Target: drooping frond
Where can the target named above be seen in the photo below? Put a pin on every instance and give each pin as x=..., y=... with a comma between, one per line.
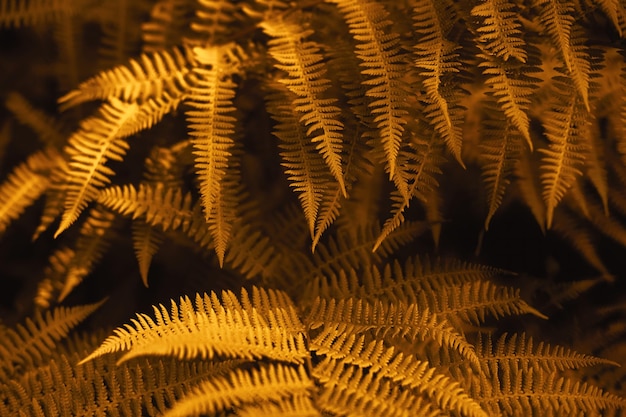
x=500, y=30
x=384, y=319
x=251, y=253
x=48, y=129
x=32, y=13
x=146, y=241
x=304, y=166
x=384, y=64
x=438, y=62
x=558, y=19
x=149, y=77
x=421, y=161
x=95, y=143
x=511, y=86
x=94, y=239
x=245, y=328
x=31, y=343
x=210, y=121
x=564, y=157
x=28, y=181
x=301, y=60
x=271, y=382
x=501, y=148
x=529, y=186
x=166, y=208
x=405, y=370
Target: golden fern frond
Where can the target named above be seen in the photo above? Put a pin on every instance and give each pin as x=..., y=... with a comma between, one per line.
x=566, y=153
x=270, y=382
x=595, y=163
x=297, y=405
x=152, y=112
x=421, y=161
x=405, y=370
x=54, y=197
x=614, y=11
x=304, y=166
x=146, y=242
x=511, y=86
x=354, y=391
x=251, y=253
x=557, y=17
x=245, y=329
x=438, y=62
x=48, y=130
x=145, y=387
x=25, y=184
x=384, y=319
x=149, y=77
x=500, y=29
x=157, y=205
x=384, y=65
x=33, y=13
x=528, y=186
x=97, y=141
x=214, y=22
x=301, y=60
x=30, y=344
x=212, y=127
x=166, y=25
x=520, y=349
x=500, y=150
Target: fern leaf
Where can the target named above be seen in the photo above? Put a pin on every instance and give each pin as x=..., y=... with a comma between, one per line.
x=407, y=371
x=298, y=405
x=157, y=205
x=301, y=60
x=149, y=77
x=146, y=241
x=501, y=148
x=32, y=342
x=90, y=148
x=214, y=22
x=383, y=63
x=94, y=239
x=252, y=254
x=438, y=62
x=500, y=30
x=529, y=187
x=166, y=25
x=28, y=181
x=16, y=14
x=565, y=154
x=48, y=130
x=268, y=383
x=305, y=168
x=253, y=330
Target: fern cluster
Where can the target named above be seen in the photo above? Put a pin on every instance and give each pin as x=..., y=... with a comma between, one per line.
x=333, y=159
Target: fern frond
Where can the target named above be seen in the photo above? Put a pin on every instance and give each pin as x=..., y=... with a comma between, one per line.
x=297, y=405
x=384, y=64
x=565, y=154
x=238, y=329
x=354, y=391
x=271, y=382
x=49, y=130
x=21, y=13
x=147, y=78
x=146, y=242
x=301, y=60
x=527, y=183
x=251, y=253
x=422, y=161
x=541, y=357
x=407, y=371
x=97, y=141
x=392, y=320
x=157, y=205
x=500, y=149
x=500, y=30
x=166, y=25
x=214, y=22
x=438, y=62
x=94, y=239
x=28, y=181
x=30, y=344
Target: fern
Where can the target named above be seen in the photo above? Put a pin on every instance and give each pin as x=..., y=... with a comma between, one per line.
x=500, y=31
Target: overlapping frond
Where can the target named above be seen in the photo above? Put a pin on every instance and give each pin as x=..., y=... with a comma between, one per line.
x=301, y=60
x=383, y=63
x=96, y=142
x=500, y=30
x=26, y=183
x=438, y=62
x=149, y=77
x=271, y=382
x=247, y=328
